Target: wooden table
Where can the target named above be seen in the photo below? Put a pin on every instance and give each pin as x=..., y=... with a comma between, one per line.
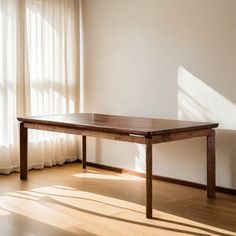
x=130, y=129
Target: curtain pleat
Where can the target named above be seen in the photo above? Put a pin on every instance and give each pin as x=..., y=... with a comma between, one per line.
x=39, y=75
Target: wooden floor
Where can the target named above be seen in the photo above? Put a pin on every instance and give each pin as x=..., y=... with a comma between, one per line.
x=65, y=200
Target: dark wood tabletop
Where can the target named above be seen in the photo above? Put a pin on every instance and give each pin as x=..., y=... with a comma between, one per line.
x=118, y=124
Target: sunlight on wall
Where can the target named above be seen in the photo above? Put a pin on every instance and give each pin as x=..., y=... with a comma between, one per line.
x=198, y=101
x=140, y=161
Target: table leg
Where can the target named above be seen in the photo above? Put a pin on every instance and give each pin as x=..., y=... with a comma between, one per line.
x=23, y=152
x=211, y=189
x=84, y=152
x=148, y=178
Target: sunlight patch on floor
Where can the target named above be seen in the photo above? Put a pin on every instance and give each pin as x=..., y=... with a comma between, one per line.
x=199, y=102
x=108, y=177
x=36, y=210
x=4, y=212
x=71, y=209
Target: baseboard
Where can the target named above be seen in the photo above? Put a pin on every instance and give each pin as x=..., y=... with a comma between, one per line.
x=161, y=178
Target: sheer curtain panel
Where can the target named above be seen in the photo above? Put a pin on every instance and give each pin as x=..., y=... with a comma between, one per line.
x=39, y=74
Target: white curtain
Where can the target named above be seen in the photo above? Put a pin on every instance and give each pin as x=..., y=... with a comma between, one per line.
x=39, y=74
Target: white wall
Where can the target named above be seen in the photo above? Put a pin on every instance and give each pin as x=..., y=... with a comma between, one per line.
x=171, y=59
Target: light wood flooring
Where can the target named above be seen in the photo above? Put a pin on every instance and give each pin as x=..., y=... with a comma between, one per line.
x=65, y=200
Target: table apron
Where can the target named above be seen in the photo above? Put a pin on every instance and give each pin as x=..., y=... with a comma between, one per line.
x=89, y=133
x=161, y=138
